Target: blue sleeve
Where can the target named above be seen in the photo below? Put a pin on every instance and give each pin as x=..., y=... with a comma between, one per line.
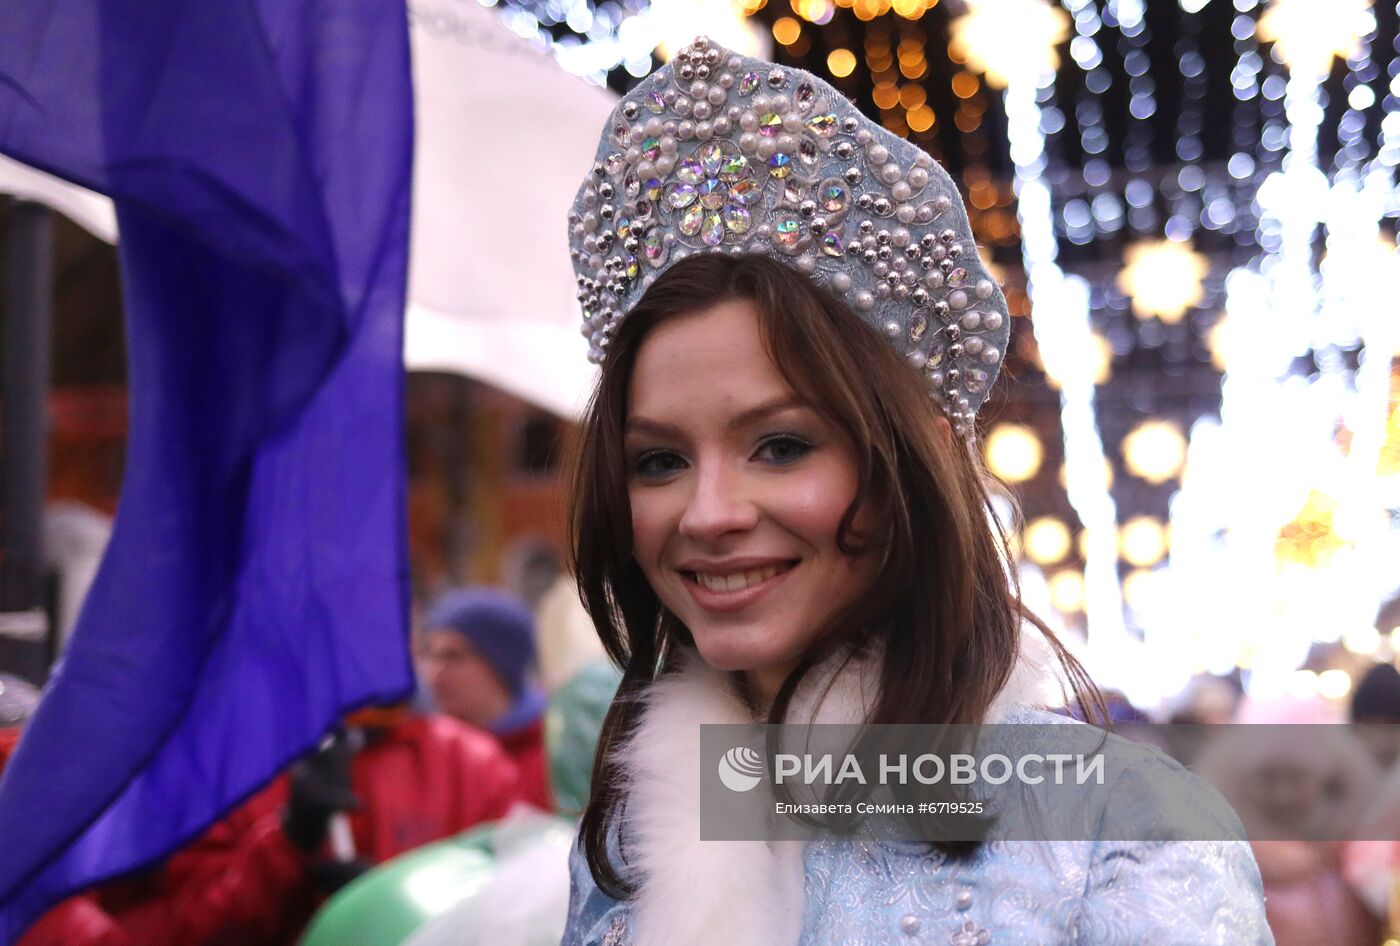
x=1173, y=892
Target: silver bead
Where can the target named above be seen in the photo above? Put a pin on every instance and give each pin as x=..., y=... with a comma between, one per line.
x=853, y=176
x=892, y=329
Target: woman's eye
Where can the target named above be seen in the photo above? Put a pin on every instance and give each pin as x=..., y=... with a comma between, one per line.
x=657, y=463
x=783, y=450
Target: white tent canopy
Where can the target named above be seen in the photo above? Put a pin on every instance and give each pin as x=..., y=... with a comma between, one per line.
x=504, y=136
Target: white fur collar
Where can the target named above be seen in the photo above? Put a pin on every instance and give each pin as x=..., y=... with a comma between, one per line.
x=742, y=893
x=693, y=892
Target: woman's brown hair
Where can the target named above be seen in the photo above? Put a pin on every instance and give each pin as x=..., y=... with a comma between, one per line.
x=944, y=604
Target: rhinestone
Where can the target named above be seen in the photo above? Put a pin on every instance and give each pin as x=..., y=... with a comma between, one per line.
x=614, y=163
x=787, y=232
x=834, y=197
x=690, y=171
x=777, y=78
x=748, y=83
x=632, y=268
x=769, y=124
x=935, y=359
x=711, y=158
x=831, y=244
x=918, y=325
x=822, y=125
x=712, y=230
x=712, y=194
x=691, y=220
x=680, y=195
x=735, y=167
x=805, y=97
x=957, y=277
x=807, y=151
x=745, y=192
x=654, y=102
x=780, y=166
x=651, y=188
x=736, y=219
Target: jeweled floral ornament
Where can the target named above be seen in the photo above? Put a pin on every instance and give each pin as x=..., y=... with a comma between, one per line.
x=717, y=152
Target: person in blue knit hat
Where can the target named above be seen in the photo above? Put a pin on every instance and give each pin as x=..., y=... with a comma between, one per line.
x=476, y=654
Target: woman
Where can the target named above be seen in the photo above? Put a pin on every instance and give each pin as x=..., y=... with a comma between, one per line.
x=773, y=520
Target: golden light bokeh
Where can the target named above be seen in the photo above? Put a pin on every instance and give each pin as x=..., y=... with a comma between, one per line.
x=1364, y=640
x=1009, y=40
x=841, y=62
x=1047, y=540
x=1334, y=684
x=1164, y=278
x=814, y=11
x=1155, y=450
x=1142, y=541
x=786, y=30
x=920, y=118
x=1308, y=33
x=1067, y=591
x=1013, y=452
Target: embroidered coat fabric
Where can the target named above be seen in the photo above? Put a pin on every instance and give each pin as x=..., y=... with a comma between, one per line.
x=865, y=891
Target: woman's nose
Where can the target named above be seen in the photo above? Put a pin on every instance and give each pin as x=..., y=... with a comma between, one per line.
x=719, y=504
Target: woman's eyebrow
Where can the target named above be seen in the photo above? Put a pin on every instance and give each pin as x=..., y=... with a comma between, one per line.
x=637, y=424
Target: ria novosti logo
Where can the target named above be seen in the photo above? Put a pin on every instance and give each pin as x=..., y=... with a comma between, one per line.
x=741, y=768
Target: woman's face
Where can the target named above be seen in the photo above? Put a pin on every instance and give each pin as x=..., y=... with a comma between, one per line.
x=737, y=491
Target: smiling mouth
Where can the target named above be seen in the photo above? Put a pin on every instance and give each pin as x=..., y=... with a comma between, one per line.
x=737, y=581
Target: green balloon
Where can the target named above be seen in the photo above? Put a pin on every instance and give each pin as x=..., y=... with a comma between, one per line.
x=386, y=904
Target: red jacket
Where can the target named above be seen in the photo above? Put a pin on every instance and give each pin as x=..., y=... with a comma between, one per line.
x=526, y=749
x=245, y=883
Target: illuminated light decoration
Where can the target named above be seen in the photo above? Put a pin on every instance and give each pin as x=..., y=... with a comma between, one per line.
x=786, y=30
x=1219, y=340
x=1023, y=60
x=1394, y=638
x=750, y=7
x=870, y=9
x=1143, y=541
x=1310, y=540
x=885, y=94
x=1164, y=278
x=1194, y=6
x=912, y=96
x=1106, y=476
x=1364, y=640
x=1096, y=363
x=1067, y=591
x=1047, y=541
x=1302, y=685
x=1003, y=55
x=1013, y=452
x=1308, y=33
x=920, y=118
x=841, y=63
x=1141, y=589
x=1155, y=451
x=1334, y=684
x=965, y=85
x=815, y=11
x=913, y=9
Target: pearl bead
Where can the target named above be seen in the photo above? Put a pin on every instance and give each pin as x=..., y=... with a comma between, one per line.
x=918, y=177
x=892, y=329
x=865, y=300
x=992, y=321
x=748, y=141
x=909, y=924
x=890, y=173
x=841, y=282
x=877, y=153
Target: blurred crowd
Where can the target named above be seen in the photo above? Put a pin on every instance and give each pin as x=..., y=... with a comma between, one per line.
x=469, y=791
x=467, y=752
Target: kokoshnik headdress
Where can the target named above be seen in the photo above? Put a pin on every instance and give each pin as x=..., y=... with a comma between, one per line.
x=721, y=152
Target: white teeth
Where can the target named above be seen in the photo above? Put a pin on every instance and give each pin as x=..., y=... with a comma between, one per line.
x=738, y=581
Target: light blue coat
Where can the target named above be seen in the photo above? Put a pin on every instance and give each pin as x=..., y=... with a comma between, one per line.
x=1012, y=893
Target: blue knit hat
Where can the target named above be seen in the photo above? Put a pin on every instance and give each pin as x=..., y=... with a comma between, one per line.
x=498, y=625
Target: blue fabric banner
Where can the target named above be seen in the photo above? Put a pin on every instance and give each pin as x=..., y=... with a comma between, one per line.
x=259, y=153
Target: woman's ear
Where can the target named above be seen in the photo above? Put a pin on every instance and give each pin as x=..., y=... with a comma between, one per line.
x=945, y=430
